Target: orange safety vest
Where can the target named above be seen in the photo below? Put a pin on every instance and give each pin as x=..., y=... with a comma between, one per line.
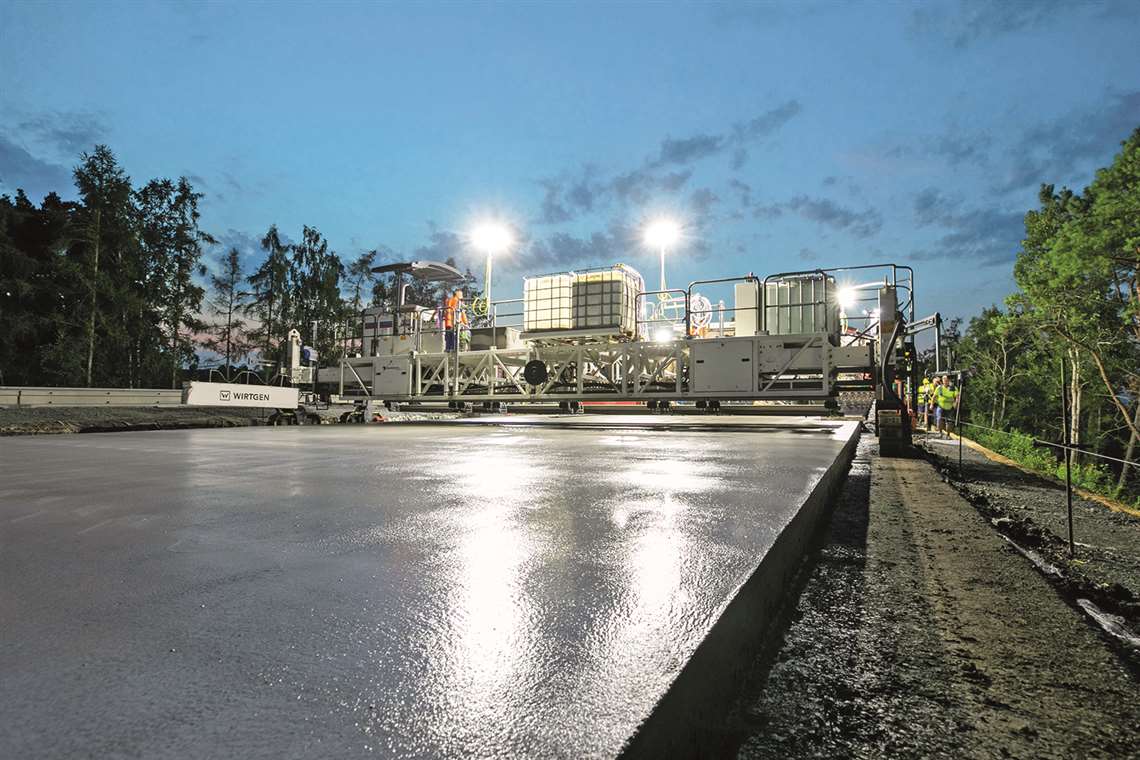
x=454, y=304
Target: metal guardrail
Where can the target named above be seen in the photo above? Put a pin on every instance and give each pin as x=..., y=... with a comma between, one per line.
x=33, y=396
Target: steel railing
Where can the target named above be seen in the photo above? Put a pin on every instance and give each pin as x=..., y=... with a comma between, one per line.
x=674, y=294
x=689, y=312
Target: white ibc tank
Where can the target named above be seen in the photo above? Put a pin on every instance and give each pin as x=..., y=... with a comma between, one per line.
x=801, y=305
x=599, y=302
x=547, y=302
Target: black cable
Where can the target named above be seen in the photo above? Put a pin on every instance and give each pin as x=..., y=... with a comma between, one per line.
x=884, y=360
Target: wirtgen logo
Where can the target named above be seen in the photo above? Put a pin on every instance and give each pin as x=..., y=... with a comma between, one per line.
x=223, y=395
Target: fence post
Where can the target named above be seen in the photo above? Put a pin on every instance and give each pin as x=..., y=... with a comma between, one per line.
x=1068, y=441
x=958, y=418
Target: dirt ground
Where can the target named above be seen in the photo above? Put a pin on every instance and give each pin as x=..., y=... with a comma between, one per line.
x=921, y=632
x=88, y=419
x=1032, y=511
x=102, y=419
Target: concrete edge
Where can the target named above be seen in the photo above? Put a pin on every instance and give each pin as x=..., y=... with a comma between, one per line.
x=686, y=720
x=656, y=422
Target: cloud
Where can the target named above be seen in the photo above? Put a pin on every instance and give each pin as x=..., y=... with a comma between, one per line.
x=640, y=185
x=930, y=206
x=825, y=211
x=767, y=123
x=702, y=201
x=572, y=194
x=966, y=22
x=862, y=224
x=233, y=183
x=553, y=210
x=687, y=150
x=69, y=134
x=443, y=244
x=558, y=251
x=762, y=126
x=739, y=159
x=563, y=250
x=1059, y=151
x=249, y=246
x=743, y=192
x=963, y=23
x=845, y=183
x=987, y=235
x=959, y=148
x=20, y=169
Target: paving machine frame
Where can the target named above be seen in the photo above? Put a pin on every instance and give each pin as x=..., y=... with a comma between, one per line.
x=677, y=352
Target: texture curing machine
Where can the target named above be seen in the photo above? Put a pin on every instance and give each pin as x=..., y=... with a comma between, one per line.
x=599, y=335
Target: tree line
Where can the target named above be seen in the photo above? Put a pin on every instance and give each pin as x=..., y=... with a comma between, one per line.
x=110, y=289
x=1077, y=303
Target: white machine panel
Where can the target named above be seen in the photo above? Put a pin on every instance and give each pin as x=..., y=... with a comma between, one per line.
x=235, y=394
x=722, y=366
x=393, y=376
x=788, y=353
x=858, y=357
x=746, y=314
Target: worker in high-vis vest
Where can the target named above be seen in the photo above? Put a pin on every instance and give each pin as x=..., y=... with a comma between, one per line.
x=922, y=409
x=931, y=406
x=453, y=319
x=946, y=398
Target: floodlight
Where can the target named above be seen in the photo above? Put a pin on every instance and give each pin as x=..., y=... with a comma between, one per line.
x=845, y=298
x=491, y=238
x=662, y=233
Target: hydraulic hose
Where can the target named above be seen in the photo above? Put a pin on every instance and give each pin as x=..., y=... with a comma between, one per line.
x=884, y=360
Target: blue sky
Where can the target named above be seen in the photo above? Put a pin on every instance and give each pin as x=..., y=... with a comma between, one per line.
x=786, y=136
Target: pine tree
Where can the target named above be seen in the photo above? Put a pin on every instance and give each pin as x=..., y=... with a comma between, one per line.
x=227, y=337
x=173, y=243
x=271, y=298
x=314, y=278
x=108, y=227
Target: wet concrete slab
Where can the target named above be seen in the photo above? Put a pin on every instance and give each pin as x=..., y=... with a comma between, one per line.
x=476, y=589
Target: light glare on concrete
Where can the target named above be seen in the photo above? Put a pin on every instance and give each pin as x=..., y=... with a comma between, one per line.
x=413, y=590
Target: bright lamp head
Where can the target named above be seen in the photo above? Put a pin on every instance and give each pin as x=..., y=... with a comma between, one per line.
x=845, y=298
x=662, y=233
x=491, y=238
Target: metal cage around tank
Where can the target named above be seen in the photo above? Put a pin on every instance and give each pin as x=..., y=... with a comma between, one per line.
x=597, y=304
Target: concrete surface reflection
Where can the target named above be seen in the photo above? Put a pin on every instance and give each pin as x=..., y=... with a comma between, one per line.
x=405, y=591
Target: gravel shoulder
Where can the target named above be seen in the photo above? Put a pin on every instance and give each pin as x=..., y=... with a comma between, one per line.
x=921, y=632
x=100, y=419
x=1032, y=510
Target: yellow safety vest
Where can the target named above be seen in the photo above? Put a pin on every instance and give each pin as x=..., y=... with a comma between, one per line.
x=924, y=392
x=945, y=397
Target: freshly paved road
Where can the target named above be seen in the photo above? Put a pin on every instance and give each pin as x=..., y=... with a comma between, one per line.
x=400, y=590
